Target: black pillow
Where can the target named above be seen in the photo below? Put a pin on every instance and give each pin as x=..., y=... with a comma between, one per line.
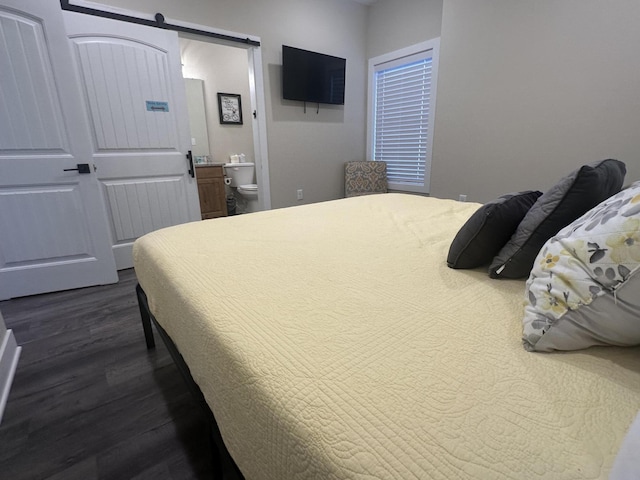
x=488, y=229
x=570, y=198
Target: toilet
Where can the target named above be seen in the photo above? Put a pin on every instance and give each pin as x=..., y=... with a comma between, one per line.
x=241, y=180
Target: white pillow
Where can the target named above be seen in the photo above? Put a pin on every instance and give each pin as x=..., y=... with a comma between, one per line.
x=584, y=288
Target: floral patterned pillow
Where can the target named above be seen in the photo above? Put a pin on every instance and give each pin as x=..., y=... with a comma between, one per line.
x=584, y=288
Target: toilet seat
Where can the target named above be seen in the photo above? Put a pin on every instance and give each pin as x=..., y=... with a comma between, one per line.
x=249, y=195
x=249, y=191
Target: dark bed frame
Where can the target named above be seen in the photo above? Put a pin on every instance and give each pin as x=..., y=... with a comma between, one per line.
x=223, y=466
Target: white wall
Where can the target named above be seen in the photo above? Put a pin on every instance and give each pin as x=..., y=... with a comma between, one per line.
x=197, y=117
x=223, y=69
x=395, y=24
x=528, y=91
x=305, y=150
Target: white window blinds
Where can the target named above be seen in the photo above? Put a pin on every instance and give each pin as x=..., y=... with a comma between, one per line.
x=402, y=113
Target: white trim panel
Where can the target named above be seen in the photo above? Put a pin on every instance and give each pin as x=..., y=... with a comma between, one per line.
x=9, y=355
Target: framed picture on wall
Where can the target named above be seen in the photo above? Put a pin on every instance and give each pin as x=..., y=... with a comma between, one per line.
x=230, y=108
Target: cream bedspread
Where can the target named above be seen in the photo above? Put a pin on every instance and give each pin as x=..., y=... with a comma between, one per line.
x=332, y=342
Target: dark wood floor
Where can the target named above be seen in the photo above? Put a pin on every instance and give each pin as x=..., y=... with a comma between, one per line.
x=88, y=400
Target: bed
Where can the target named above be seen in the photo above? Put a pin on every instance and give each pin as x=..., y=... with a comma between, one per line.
x=331, y=341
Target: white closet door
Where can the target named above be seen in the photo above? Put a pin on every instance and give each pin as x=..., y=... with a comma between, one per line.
x=53, y=223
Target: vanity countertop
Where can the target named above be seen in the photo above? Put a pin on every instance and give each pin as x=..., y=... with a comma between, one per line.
x=210, y=164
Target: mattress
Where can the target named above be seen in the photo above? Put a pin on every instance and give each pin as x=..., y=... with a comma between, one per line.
x=331, y=341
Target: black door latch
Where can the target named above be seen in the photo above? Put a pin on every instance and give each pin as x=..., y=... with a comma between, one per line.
x=191, y=170
x=82, y=168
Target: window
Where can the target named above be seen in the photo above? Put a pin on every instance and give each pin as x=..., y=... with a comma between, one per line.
x=402, y=93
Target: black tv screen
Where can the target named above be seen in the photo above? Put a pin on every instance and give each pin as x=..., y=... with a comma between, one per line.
x=312, y=77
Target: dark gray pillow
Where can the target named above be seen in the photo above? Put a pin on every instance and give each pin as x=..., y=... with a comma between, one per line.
x=488, y=229
x=569, y=199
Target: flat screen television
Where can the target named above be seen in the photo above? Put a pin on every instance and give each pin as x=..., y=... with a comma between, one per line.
x=312, y=77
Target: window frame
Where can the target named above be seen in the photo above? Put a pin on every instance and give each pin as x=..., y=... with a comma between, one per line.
x=430, y=46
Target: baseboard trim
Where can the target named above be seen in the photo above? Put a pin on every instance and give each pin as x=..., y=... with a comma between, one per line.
x=9, y=355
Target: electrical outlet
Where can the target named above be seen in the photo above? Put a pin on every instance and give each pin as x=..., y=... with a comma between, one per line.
x=193, y=141
x=300, y=196
x=462, y=198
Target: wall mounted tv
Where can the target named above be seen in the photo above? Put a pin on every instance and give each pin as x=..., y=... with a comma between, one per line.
x=312, y=77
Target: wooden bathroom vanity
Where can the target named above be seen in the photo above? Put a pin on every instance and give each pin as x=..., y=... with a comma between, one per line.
x=211, y=191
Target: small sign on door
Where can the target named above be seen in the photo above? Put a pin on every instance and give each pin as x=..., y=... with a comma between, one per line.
x=157, y=106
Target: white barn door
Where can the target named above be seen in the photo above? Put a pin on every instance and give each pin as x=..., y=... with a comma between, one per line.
x=53, y=224
x=135, y=96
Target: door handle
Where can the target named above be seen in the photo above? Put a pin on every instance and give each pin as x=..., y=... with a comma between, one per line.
x=81, y=168
x=190, y=158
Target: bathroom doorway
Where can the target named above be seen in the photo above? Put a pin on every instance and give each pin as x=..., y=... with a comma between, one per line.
x=211, y=68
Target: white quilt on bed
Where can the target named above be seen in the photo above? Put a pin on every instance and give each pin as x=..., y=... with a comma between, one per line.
x=332, y=342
